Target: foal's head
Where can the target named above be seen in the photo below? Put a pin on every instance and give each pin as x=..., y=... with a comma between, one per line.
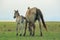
x=16, y=13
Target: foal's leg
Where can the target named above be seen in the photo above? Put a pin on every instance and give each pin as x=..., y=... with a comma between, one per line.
x=40, y=27
x=25, y=29
x=17, y=30
x=21, y=29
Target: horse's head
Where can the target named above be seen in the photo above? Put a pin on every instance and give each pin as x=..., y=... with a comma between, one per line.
x=16, y=13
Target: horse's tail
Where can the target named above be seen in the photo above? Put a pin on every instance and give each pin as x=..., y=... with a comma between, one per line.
x=41, y=16
x=26, y=19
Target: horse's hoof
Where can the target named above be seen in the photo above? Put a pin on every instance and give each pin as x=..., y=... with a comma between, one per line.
x=17, y=34
x=24, y=35
x=32, y=35
x=41, y=35
x=20, y=34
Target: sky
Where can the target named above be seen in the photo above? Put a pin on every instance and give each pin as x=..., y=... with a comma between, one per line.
x=50, y=8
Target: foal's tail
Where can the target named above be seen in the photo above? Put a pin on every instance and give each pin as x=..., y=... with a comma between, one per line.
x=41, y=16
x=25, y=19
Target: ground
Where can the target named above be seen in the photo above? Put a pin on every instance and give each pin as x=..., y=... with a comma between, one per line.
x=8, y=32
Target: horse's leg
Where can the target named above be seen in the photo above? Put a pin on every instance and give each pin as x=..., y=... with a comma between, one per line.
x=33, y=29
x=25, y=29
x=30, y=29
x=40, y=27
x=17, y=30
x=21, y=29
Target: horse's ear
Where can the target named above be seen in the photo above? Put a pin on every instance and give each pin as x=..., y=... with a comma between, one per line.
x=17, y=10
x=14, y=10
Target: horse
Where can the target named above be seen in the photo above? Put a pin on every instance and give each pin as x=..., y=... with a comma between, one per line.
x=20, y=21
x=33, y=14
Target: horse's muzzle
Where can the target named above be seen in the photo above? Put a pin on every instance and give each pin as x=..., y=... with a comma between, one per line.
x=14, y=16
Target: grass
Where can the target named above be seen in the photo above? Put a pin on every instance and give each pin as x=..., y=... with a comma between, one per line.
x=8, y=32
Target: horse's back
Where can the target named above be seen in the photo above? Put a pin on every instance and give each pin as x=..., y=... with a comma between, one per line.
x=33, y=10
x=31, y=13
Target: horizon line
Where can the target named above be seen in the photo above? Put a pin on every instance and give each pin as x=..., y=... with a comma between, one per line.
x=15, y=20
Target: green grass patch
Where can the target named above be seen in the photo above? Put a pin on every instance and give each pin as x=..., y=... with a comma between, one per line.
x=8, y=32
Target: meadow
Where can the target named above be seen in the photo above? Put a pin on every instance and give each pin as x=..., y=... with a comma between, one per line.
x=8, y=32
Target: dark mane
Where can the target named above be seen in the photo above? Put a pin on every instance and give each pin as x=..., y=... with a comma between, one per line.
x=18, y=14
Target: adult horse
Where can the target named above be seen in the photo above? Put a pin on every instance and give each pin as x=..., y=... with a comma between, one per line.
x=32, y=15
x=20, y=21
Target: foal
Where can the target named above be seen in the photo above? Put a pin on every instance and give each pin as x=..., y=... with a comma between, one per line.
x=20, y=21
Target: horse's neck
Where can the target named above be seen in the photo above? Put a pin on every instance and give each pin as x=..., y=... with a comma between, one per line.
x=17, y=18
